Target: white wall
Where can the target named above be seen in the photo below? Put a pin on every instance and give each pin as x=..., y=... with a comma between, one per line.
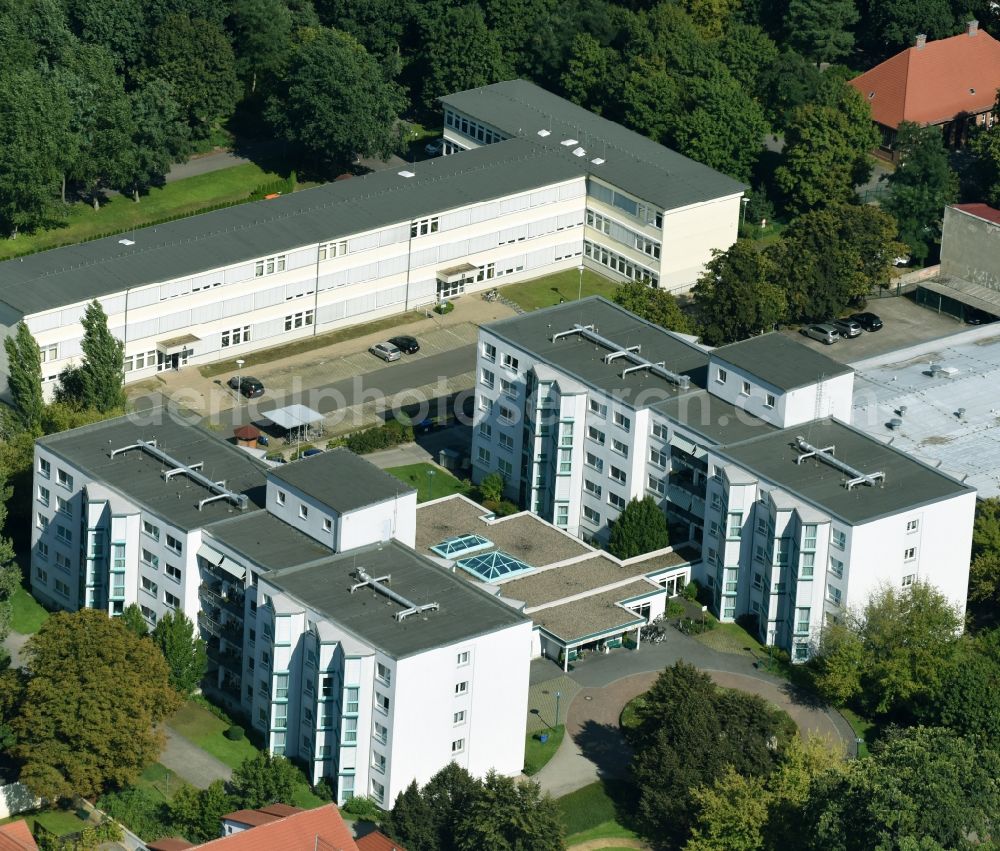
x=690, y=234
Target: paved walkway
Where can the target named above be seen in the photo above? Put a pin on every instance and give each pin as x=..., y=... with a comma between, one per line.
x=14, y=644
x=188, y=761
x=594, y=747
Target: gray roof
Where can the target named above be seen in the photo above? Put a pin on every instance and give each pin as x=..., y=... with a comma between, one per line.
x=633, y=162
x=267, y=541
x=584, y=360
x=594, y=615
x=464, y=611
x=715, y=419
x=189, y=246
x=908, y=483
x=340, y=479
x=138, y=476
x=780, y=361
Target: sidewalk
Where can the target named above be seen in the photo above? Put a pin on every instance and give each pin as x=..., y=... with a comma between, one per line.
x=188, y=761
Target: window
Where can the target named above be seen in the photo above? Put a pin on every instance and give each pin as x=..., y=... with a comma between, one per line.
x=509, y=362
x=43, y=550
x=909, y=579
x=150, y=529
x=487, y=378
x=657, y=486
x=801, y=652
x=617, y=500
x=352, y=696
x=329, y=250
x=781, y=552
x=808, y=564
x=378, y=762
x=802, y=620
x=658, y=458
x=44, y=468
x=303, y=511
x=484, y=455
x=592, y=488
x=618, y=474
x=175, y=544
x=422, y=227
x=591, y=460
x=381, y=701
x=326, y=684
x=734, y=524
x=909, y=554
x=833, y=594
x=507, y=414
x=661, y=431
x=63, y=562
x=280, y=683
x=721, y=375
x=768, y=400
x=171, y=600
x=622, y=421
x=235, y=336
x=327, y=524
x=463, y=658
x=148, y=585
x=458, y=746
x=505, y=468
x=597, y=408
x=595, y=434
x=299, y=320
x=562, y=514
x=64, y=534
x=269, y=265
x=486, y=431
x=462, y=687
x=758, y=581
x=745, y=388
x=837, y=568
x=809, y=536
x=41, y=521
x=507, y=442
x=490, y=352
x=838, y=538
x=43, y=495
x=65, y=479
x=380, y=733
x=378, y=791
x=458, y=717
x=591, y=515
x=42, y=575
x=148, y=614
x=152, y=560
x=619, y=447
x=912, y=525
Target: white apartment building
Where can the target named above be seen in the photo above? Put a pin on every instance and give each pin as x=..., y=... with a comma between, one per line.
x=348, y=651
x=224, y=283
x=584, y=406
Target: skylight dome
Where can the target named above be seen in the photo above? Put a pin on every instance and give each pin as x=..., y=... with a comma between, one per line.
x=494, y=566
x=461, y=545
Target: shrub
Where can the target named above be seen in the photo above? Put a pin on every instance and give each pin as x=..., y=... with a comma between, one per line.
x=205, y=703
x=139, y=809
x=491, y=488
x=375, y=438
x=235, y=733
x=444, y=307
x=675, y=608
x=324, y=789
x=363, y=809
x=691, y=591
x=505, y=508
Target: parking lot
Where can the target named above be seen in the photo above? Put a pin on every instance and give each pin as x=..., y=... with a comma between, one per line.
x=906, y=324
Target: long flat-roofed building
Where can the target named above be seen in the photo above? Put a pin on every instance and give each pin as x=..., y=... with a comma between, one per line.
x=235, y=280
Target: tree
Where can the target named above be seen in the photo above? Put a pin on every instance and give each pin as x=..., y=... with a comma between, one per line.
x=747, y=52
x=786, y=83
x=923, y=788
x=736, y=297
x=509, y=815
x=10, y=572
x=195, y=57
x=120, y=26
x=432, y=823
x=920, y=187
x=263, y=779
x=491, y=487
x=821, y=29
x=410, y=822
x=336, y=104
x=652, y=304
x=134, y=621
x=892, y=24
x=262, y=40
x=968, y=701
x=24, y=377
x=160, y=137
x=102, y=374
x=94, y=695
x=640, y=528
x=197, y=813
x=380, y=25
x=731, y=814
x=184, y=651
x=826, y=152
x=460, y=52
x=985, y=145
x=592, y=71
x=532, y=34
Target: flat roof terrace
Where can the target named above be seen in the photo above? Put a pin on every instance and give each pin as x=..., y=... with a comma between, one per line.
x=594, y=615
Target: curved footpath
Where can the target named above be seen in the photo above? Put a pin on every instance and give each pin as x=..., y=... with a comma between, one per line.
x=594, y=747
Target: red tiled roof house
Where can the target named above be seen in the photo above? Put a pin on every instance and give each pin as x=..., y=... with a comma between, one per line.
x=951, y=82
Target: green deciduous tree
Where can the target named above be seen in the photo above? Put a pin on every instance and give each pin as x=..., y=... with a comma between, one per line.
x=120, y=26
x=10, y=572
x=102, y=373
x=737, y=296
x=197, y=813
x=508, y=815
x=160, y=137
x=747, y=52
x=787, y=82
x=532, y=34
x=640, y=528
x=336, y=103
x=24, y=376
x=893, y=24
x=920, y=187
x=94, y=694
x=985, y=146
x=821, y=29
x=184, y=651
x=968, y=701
x=262, y=41
x=652, y=304
x=592, y=70
x=133, y=620
x=263, y=779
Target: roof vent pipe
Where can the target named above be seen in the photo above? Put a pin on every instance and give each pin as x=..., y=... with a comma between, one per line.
x=921, y=41
x=972, y=27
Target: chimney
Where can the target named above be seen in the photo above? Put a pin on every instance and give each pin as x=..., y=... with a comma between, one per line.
x=921, y=41
x=972, y=27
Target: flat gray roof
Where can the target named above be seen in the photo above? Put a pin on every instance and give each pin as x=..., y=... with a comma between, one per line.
x=594, y=615
x=49, y=279
x=633, y=162
x=340, y=479
x=267, y=541
x=908, y=483
x=139, y=476
x=464, y=610
x=780, y=361
x=584, y=360
x=715, y=419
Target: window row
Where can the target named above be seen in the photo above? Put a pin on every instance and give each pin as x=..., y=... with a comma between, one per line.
x=623, y=234
x=621, y=265
x=269, y=266
x=472, y=128
x=141, y=360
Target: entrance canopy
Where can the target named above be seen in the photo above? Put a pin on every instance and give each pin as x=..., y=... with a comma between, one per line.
x=454, y=274
x=176, y=345
x=294, y=416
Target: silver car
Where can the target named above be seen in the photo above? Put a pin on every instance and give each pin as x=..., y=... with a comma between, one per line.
x=823, y=332
x=847, y=327
x=387, y=351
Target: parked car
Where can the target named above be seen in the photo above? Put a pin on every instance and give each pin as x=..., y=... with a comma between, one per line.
x=823, y=332
x=247, y=385
x=310, y=452
x=434, y=148
x=387, y=351
x=846, y=327
x=868, y=321
x=406, y=344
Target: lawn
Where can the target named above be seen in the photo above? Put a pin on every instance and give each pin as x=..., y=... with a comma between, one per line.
x=307, y=344
x=59, y=822
x=119, y=214
x=596, y=812
x=26, y=615
x=443, y=484
x=161, y=781
x=537, y=754
x=544, y=292
x=864, y=729
x=732, y=638
x=202, y=728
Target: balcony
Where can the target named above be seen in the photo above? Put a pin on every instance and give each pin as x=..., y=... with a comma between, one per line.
x=215, y=623
x=231, y=685
x=217, y=595
x=227, y=658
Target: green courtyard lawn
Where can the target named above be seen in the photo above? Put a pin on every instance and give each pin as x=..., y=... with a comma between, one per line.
x=202, y=728
x=864, y=729
x=26, y=615
x=119, y=214
x=160, y=781
x=538, y=753
x=60, y=822
x=544, y=292
x=442, y=483
x=597, y=811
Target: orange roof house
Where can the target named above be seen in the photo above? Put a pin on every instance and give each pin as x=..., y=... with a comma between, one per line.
x=944, y=82
x=17, y=837
x=307, y=830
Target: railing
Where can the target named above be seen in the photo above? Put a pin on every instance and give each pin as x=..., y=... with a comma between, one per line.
x=232, y=602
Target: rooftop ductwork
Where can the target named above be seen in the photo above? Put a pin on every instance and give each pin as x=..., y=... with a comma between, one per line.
x=379, y=586
x=827, y=457
x=631, y=353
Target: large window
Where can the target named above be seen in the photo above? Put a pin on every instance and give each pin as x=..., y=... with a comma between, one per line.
x=299, y=320
x=236, y=336
x=734, y=524
x=269, y=265
x=802, y=620
x=622, y=265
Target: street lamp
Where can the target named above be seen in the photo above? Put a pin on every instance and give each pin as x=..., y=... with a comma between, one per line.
x=430, y=484
x=579, y=291
x=745, y=202
x=558, y=695
x=239, y=386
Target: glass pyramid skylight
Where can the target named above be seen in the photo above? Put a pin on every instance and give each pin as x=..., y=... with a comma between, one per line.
x=494, y=566
x=461, y=545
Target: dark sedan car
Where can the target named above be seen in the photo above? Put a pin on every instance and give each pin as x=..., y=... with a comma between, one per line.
x=868, y=321
x=407, y=345
x=248, y=386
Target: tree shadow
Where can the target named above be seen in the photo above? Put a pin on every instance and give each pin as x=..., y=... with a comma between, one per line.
x=605, y=746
